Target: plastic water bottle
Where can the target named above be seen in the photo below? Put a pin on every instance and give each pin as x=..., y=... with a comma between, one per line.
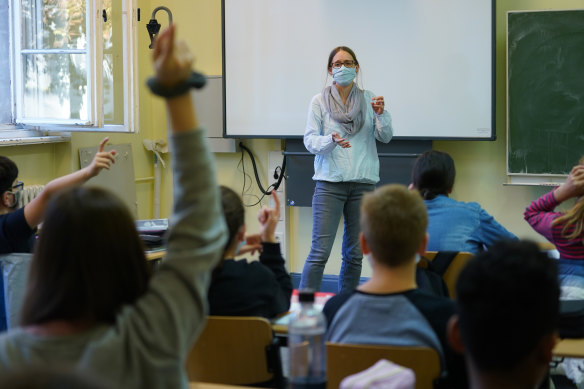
x=306, y=345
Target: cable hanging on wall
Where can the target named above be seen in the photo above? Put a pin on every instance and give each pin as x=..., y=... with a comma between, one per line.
x=279, y=174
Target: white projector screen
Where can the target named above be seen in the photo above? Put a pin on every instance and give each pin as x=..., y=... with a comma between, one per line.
x=432, y=60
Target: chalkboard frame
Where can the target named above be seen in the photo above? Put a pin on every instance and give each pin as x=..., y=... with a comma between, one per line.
x=491, y=137
x=531, y=171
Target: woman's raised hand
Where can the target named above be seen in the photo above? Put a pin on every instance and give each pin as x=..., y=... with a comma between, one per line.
x=172, y=61
x=574, y=185
x=378, y=104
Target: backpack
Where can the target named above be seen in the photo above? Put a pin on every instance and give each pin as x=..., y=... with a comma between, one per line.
x=429, y=273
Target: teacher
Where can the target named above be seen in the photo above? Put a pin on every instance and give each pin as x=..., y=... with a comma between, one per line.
x=343, y=123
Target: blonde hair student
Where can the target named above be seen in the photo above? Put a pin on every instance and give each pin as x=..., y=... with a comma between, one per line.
x=564, y=229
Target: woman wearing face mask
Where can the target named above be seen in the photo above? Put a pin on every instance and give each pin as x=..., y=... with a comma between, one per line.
x=343, y=123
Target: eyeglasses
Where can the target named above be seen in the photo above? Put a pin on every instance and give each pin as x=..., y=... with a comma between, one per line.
x=347, y=64
x=17, y=188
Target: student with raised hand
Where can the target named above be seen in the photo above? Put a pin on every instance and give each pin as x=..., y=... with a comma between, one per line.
x=508, y=301
x=17, y=225
x=564, y=229
x=452, y=225
x=89, y=303
x=389, y=309
x=256, y=288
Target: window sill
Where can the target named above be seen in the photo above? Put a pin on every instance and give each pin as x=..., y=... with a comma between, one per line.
x=28, y=137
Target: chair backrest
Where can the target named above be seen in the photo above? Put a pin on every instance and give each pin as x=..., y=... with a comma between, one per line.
x=451, y=274
x=235, y=350
x=346, y=359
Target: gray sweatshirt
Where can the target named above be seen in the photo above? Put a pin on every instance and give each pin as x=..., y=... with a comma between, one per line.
x=148, y=345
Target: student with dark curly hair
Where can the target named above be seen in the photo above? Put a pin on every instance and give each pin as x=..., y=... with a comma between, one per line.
x=508, y=301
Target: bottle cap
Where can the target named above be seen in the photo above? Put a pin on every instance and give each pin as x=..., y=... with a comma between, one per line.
x=306, y=295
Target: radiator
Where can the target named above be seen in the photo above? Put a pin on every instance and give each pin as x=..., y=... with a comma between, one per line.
x=29, y=193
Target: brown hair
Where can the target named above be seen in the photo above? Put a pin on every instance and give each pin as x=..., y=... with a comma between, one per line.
x=336, y=50
x=8, y=174
x=433, y=174
x=574, y=217
x=233, y=213
x=89, y=260
x=393, y=221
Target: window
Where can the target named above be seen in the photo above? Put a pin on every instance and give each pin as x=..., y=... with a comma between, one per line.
x=73, y=65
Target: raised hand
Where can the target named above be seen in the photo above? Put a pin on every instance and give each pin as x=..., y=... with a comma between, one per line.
x=102, y=160
x=342, y=142
x=574, y=185
x=268, y=218
x=172, y=61
x=378, y=104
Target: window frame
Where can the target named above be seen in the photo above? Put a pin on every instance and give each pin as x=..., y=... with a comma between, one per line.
x=94, y=55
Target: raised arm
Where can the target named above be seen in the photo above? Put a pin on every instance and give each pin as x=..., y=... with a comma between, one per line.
x=540, y=213
x=271, y=257
x=35, y=210
x=172, y=64
x=573, y=187
x=169, y=317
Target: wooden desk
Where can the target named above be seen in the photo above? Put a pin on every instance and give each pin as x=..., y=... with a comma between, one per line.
x=572, y=348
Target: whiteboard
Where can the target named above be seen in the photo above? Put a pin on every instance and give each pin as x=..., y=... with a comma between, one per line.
x=432, y=60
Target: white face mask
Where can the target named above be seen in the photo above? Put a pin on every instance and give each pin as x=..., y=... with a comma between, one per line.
x=344, y=76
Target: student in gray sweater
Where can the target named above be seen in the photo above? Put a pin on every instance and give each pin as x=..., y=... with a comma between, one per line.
x=89, y=304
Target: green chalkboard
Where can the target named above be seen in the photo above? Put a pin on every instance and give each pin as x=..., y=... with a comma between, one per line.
x=545, y=85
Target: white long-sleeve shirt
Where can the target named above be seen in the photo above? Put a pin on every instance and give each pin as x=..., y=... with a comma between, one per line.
x=360, y=162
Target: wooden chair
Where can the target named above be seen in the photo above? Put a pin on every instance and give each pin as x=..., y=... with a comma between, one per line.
x=346, y=359
x=451, y=274
x=237, y=351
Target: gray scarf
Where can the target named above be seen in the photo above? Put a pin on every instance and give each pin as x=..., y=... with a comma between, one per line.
x=350, y=116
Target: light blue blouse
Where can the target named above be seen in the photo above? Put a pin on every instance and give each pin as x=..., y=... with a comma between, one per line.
x=459, y=226
x=360, y=162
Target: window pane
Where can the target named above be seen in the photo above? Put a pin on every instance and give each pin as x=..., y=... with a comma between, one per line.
x=5, y=98
x=53, y=24
x=113, y=64
x=55, y=86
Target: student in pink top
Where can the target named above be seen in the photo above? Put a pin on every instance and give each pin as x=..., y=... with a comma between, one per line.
x=564, y=229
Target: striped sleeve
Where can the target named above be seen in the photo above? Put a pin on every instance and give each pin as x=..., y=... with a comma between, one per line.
x=539, y=214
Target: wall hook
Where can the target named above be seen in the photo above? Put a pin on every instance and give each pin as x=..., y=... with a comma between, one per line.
x=153, y=26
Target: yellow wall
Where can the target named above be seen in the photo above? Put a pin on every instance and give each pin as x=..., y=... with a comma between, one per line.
x=480, y=165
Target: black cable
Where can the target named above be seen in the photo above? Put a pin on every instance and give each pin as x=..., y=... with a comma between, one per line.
x=257, y=177
x=244, y=189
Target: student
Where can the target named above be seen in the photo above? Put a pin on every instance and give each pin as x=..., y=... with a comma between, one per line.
x=452, y=225
x=258, y=288
x=389, y=309
x=564, y=229
x=508, y=300
x=17, y=226
x=89, y=303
